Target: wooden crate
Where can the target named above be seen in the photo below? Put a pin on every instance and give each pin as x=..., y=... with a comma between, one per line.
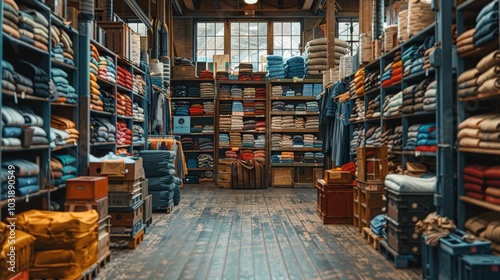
x=282, y=177
x=371, y=238
x=118, y=38
x=100, y=205
x=370, y=201
x=355, y=208
x=184, y=72
x=335, y=202
x=224, y=179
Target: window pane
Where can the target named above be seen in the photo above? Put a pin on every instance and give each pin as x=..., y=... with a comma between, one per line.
x=295, y=27
x=286, y=28
x=243, y=43
x=262, y=28
x=254, y=56
x=235, y=29
x=262, y=43
x=211, y=43
x=201, y=43
x=244, y=29
x=253, y=28
x=253, y=44
x=277, y=28
x=201, y=29
x=220, y=43
x=278, y=43
x=295, y=42
x=210, y=29
x=219, y=29
x=244, y=56
x=235, y=42
x=207, y=43
x=210, y=55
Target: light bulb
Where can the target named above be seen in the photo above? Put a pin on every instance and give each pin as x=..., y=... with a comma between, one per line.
x=250, y=1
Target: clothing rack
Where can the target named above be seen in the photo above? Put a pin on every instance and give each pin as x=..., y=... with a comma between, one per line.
x=163, y=142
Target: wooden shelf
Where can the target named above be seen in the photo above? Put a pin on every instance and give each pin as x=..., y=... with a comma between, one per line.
x=392, y=118
x=475, y=98
x=102, y=144
x=191, y=98
x=393, y=87
x=198, y=151
x=235, y=82
x=241, y=148
x=201, y=116
x=353, y=121
x=297, y=164
x=294, y=98
x=418, y=76
x=296, y=81
x=28, y=48
x=137, y=70
x=121, y=89
x=413, y=153
x=201, y=169
x=241, y=99
x=101, y=113
x=62, y=65
x=372, y=120
x=479, y=151
x=419, y=114
x=296, y=149
x=241, y=131
x=62, y=147
x=63, y=104
x=296, y=130
x=123, y=146
x=138, y=145
x=24, y=97
x=124, y=117
x=136, y=95
x=21, y=149
x=372, y=91
x=101, y=81
x=202, y=133
x=293, y=113
x=25, y=198
x=480, y=203
x=193, y=79
x=102, y=48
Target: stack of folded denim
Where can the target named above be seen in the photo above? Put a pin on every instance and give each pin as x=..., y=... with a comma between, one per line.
x=298, y=141
x=236, y=92
x=294, y=67
x=182, y=108
x=277, y=91
x=482, y=80
x=208, y=107
x=420, y=15
x=374, y=140
x=249, y=107
x=205, y=161
x=260, y=141
x=275, y=67
x=101, y=130
x=223, y=140
x=62, y=46
x=409, y=56
x=394, y=106
x=107, y=69
x=377, y=225
x=71, y=134
x=123, y=134
x=196, y=109
x=235, y=139
x=430, y=97
x=224, y=91
x=373, y=108
x=248, y=140
x=372, y=81
x=68, y=171
x=312, y=106
x=207, y=90
x=193, y=92
x=188, y=143
x=480, y=131
x=357, y=139
x=205, y=144
x=159, y=168
x=138, y=135
x=358, y=110
x=260, y=126
x=10, y=19
x=124, y=105
x=139, y=85
x=26, y=175
x=138, y=113
x=427, y=138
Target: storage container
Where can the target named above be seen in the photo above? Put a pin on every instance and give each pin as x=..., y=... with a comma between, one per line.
x=479, y=267
x=403, y=239
x=335, y=202
x=125, y=199
x=100, y=205
x=409, y=208
x=86, y=188
x=127, y=217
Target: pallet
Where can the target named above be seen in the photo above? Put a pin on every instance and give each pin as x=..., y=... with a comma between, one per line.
x=88, y=274
x=399, y=261
x=128, y=243
x=103, y=261
x=371, y=238
x=166, y=210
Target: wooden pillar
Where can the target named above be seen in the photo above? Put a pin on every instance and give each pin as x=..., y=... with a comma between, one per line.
x=330, y=32
x=365, y=15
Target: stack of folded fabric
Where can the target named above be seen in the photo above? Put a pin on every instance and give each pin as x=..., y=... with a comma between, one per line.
x=236, y=92
x=419, y=95
x=123, y=105
x=235, y=139
x=237, y=108
x=474, y=180
x=231, y=154
x=312, y=106
x=249, y=124
x=247, y=155
x=275, y=140
x=430, y=97
x=101, y=130
x=205, y=161
x=248, y=140
x=259, y=155
x=124, y=77
x=108, y=100
x=260, y=126
x=206, y=74
x=225, y=122
x=68, y=171
x=192, y=163
x=27, y=25
x=403, y=26
x=10, y=19
x=298, y=141
x=208, y=107
x=317, y=58
x=309, y=140
x=294, y=67
x=287, y=157
x=394, y=105
x=260, y=108
x=157, y=80
x=484, y=33
x=260, y=141
x=139, y=85
x=397, y=66
x=65, y=92
x=26, y=175
x=480, y=131
x=358, y=138
x=249, y=107
x=138, y=135
x=427, y=138
x=224, y=91
x=359, y=82
x=205, y=144
x=427, y=58
x=15, y=116
x=420, y=15
x=260, y=93
x=358, y=110
x=319, y=157
x=245, y=73
x=396, y=140
x=193, y=92
x=222, y=76
x=373, y=107
x=286, y=141
x=317, y=144
x=187, y=143
x=107, y=69
x=301, y=107
x=308, y=157
x=96, y=100
x=182, y=108
x=410, y=55
x=14, y=81
x=409, y=99
x=374, y=139
x=483, y=80
x=223, y=140
x=300, y=123
x=418, y=170
x=196, y=109
x=276, y=122
x=278, y=106
x=197, y=128
x=225, y=108
x=372, y=81
x=65, y=125
x=312, y=122
x=277, y=91
x=237, y=122
x=123, y=134
x=390, y=32
x=287, y=122
x=62, y=46
x=249, y=93
x=208, y=129
x=492, y=177
x=486, y=226
x=259, y=76
x=207, y=90
x=412, y=140
x=387, y=76
x=275, y=67
x=179, y=91
x=138, y=113
x=366, y=45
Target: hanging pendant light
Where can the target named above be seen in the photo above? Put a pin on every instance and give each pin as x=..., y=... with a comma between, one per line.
x=250, y=1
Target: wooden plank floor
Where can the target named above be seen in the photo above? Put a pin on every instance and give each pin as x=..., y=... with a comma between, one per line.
x=249, y=234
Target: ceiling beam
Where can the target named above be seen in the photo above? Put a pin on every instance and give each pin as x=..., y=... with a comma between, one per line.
x=225, y=14
x=307, y=4
x=189, y=4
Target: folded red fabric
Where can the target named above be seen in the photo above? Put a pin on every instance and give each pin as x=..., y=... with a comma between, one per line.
x=473, y=187
x=492, y=183
x=475, y=195
x=476, y=170
x=492, y=199
x=493, y=172
x=474, y=180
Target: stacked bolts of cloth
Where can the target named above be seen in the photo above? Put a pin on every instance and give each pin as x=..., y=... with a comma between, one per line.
x=124, y=77
x=245, y=73
x=276, y=122
x=260, y=107
x=482, y=80
x=275, y=67
x=236, y=122
x=294, y=67
x=123, y=105
x=34, y=28
x=123, y=134
x=420, y=15
x=480, y=131
x=317, y=58
x=260, y=141
x=139, y=85
x=138, y=135
x=403, y=26
x=207, y=90
x=394, y=105
x=138, y=113
x=159, y=168
x=312, y=106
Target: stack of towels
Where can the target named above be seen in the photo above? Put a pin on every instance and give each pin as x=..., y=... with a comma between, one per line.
x=483, y=80
x=123, y=134
x=63, y=167
x=124, y=78
x=420, y=15
x=480, y=131
x=275, y=67
x=138, y=113
x=208, y=107
x=394, y=105
x=236, y=92
x=277, y=91
x=294, y=67
x=245, y=73
x=207, y=90
x=427, y=138
x=484, y=33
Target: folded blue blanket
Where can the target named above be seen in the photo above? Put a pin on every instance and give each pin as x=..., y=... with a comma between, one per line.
x=404, y=183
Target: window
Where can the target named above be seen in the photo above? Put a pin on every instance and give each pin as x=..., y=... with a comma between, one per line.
x=210, y=40
x=286, y=39
x=348, y=30
x=139, y=28
x=248, y=43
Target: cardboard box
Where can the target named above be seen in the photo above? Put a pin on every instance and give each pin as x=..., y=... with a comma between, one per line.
x=124, y=186
x=148, y=209
x=282, y=177
x=126, y=217
x=87, y=188
x=144, y=188
x=392, y=12
x=115, y=170
x=337, y=177
x=184, y=71
x=100, y=205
